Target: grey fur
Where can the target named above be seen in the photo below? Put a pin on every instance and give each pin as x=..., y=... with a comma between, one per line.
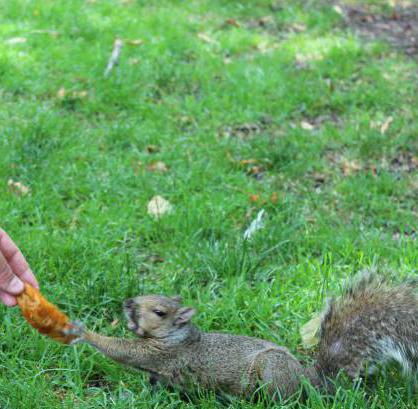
x=370, y=324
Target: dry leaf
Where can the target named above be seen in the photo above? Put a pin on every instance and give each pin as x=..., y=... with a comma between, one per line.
x=114, y=323
x=135, y=42
x=242, y=131
x=256, y=171
x=153, y=148
x=232, y=22
x=16, y=40
x=254, y=198
x=79, y=94
x=307, y=126
x=350, y=166
x=385, y=125
x=158, y=206
x=298, y=27
x=17, y=188
x=274, y=198
x=52, y=33
x=158, y=166
x=204, y=37
x=248, y=161
x=309, y=332
x=265, y=21
x=133, y=61
x=263, y=47
x=61, y=93
x=136, y=166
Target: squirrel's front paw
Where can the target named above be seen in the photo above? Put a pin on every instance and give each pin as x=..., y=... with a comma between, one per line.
x=76, y=328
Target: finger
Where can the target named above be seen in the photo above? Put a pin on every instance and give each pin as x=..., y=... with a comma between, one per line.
x=9, y=282
x=7, y=299
x=16, y=260
x=28, y=277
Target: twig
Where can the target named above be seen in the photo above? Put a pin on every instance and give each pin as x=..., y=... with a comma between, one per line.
x=256, y=224
x=114, y=58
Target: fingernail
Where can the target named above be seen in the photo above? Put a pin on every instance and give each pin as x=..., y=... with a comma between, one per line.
x=16, y=286
x=29, y=277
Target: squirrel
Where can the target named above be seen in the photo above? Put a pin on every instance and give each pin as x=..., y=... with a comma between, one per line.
x=369, y=325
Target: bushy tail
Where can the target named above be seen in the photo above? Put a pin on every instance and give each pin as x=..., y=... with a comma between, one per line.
x=369, y=325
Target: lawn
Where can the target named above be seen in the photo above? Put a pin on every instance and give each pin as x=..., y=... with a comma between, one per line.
x=223, y=108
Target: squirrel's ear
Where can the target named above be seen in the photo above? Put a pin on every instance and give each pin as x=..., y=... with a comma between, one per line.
x=184, y=315
x=177, y=298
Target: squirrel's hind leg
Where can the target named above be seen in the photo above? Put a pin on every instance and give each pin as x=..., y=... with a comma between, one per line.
x=280, y=372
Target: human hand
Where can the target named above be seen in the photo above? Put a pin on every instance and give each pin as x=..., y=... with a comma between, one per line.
x=14, y=270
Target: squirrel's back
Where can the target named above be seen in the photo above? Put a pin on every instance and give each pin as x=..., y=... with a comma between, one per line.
x=370, y=324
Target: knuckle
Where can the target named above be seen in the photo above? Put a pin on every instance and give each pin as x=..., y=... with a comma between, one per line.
x=6, y=274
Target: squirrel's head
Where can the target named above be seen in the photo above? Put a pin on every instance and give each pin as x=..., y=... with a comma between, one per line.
x=157, y=316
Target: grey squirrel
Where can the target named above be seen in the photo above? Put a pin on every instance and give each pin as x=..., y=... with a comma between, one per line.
x=369, y=325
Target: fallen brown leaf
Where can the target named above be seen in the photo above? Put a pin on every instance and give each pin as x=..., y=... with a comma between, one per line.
x=256, y=171
x=274, y=198
x=17, y=188
x=350, y=166
x=158, y=166
x=152, y=148
x=232, y=22
x=61, y=93
x=385, y=125
x=265, y=21
x=319, y=178
x=248, y=161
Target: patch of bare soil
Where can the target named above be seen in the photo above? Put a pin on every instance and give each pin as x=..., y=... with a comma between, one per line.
x=398, y=27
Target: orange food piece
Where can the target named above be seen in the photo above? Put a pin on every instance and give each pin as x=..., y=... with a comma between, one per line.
x=43, y=315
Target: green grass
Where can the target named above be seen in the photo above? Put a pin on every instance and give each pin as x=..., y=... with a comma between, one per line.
x=85, y=229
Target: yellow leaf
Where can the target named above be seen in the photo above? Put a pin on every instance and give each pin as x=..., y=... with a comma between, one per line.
x=310, y=331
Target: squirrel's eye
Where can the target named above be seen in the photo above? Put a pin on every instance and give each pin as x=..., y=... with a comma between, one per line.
x=159, y=313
